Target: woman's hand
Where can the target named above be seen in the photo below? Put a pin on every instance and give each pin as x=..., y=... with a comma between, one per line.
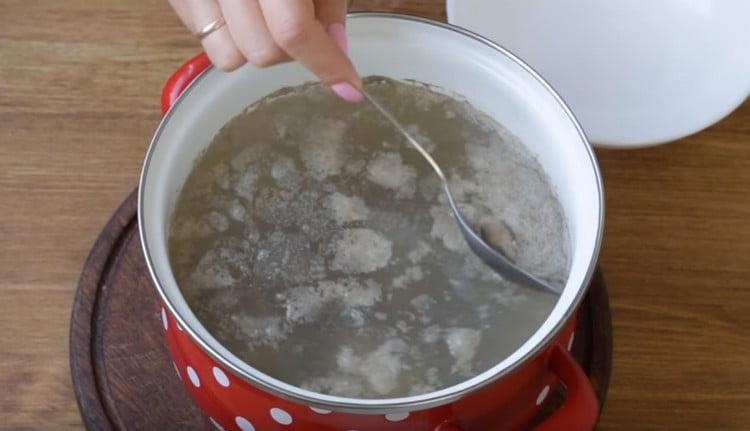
x=267, y=32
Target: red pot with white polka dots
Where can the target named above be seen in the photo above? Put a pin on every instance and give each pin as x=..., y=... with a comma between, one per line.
x=198, y=100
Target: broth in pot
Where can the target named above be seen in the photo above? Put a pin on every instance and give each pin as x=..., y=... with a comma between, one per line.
x=317, y=245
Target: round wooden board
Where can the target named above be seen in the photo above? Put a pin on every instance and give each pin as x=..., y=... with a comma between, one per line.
x=122, y=373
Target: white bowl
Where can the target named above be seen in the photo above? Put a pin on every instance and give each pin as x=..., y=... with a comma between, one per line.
x=634, y=72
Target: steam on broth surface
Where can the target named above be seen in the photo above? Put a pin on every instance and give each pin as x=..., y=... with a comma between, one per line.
x=316, y=245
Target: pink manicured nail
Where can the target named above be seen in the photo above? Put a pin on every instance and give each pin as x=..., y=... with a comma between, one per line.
x=347, y=92
x=337, y=31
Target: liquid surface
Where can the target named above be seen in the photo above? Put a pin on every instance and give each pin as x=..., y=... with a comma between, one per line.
x=314, y=243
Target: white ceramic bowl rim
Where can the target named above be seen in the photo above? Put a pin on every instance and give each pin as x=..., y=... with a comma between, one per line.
x=385, y=405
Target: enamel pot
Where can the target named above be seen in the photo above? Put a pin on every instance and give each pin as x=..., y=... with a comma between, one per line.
x=198, y=100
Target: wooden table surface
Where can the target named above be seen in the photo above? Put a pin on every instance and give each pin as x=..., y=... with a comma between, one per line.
x=79, y=100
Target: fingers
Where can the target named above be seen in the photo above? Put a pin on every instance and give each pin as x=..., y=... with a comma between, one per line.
x=267, y=32
x=250, y=33
x=219, y=45
x=332, y=13
x=183, y=11
x=293, y=26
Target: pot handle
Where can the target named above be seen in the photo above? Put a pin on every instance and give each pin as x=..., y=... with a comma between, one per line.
x=181, y=78
x=580, y=410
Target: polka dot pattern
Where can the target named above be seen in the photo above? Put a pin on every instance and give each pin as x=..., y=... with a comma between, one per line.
x=320, y=411
x=281, y=416
x=221, y=377
x=396, y=417
x=542, y=395
x=216, y=424
x=193, y=376
x=244, y=424
x=275, y=413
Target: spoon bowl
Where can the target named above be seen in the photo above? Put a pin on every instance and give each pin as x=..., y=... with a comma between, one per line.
x=491, y=257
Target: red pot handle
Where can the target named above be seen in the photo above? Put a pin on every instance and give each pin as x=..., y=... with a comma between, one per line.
x=580, y=411
x=180, y=79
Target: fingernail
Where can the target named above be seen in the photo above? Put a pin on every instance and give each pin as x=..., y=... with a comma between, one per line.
x=337, y=31
x=347, y=92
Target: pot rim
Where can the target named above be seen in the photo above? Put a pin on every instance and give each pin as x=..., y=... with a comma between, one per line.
x=381, y=405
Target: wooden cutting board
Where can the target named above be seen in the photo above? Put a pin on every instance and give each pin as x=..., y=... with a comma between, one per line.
x=122, y=373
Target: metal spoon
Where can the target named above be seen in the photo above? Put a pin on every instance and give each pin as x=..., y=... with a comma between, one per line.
x=494, y=259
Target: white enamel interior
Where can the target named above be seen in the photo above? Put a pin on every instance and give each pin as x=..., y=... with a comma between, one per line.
x=401, y=48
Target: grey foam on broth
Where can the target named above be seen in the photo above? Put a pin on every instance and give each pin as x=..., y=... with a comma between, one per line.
x=316, y=245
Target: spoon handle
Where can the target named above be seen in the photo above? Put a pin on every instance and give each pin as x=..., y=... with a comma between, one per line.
x=400, y=127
